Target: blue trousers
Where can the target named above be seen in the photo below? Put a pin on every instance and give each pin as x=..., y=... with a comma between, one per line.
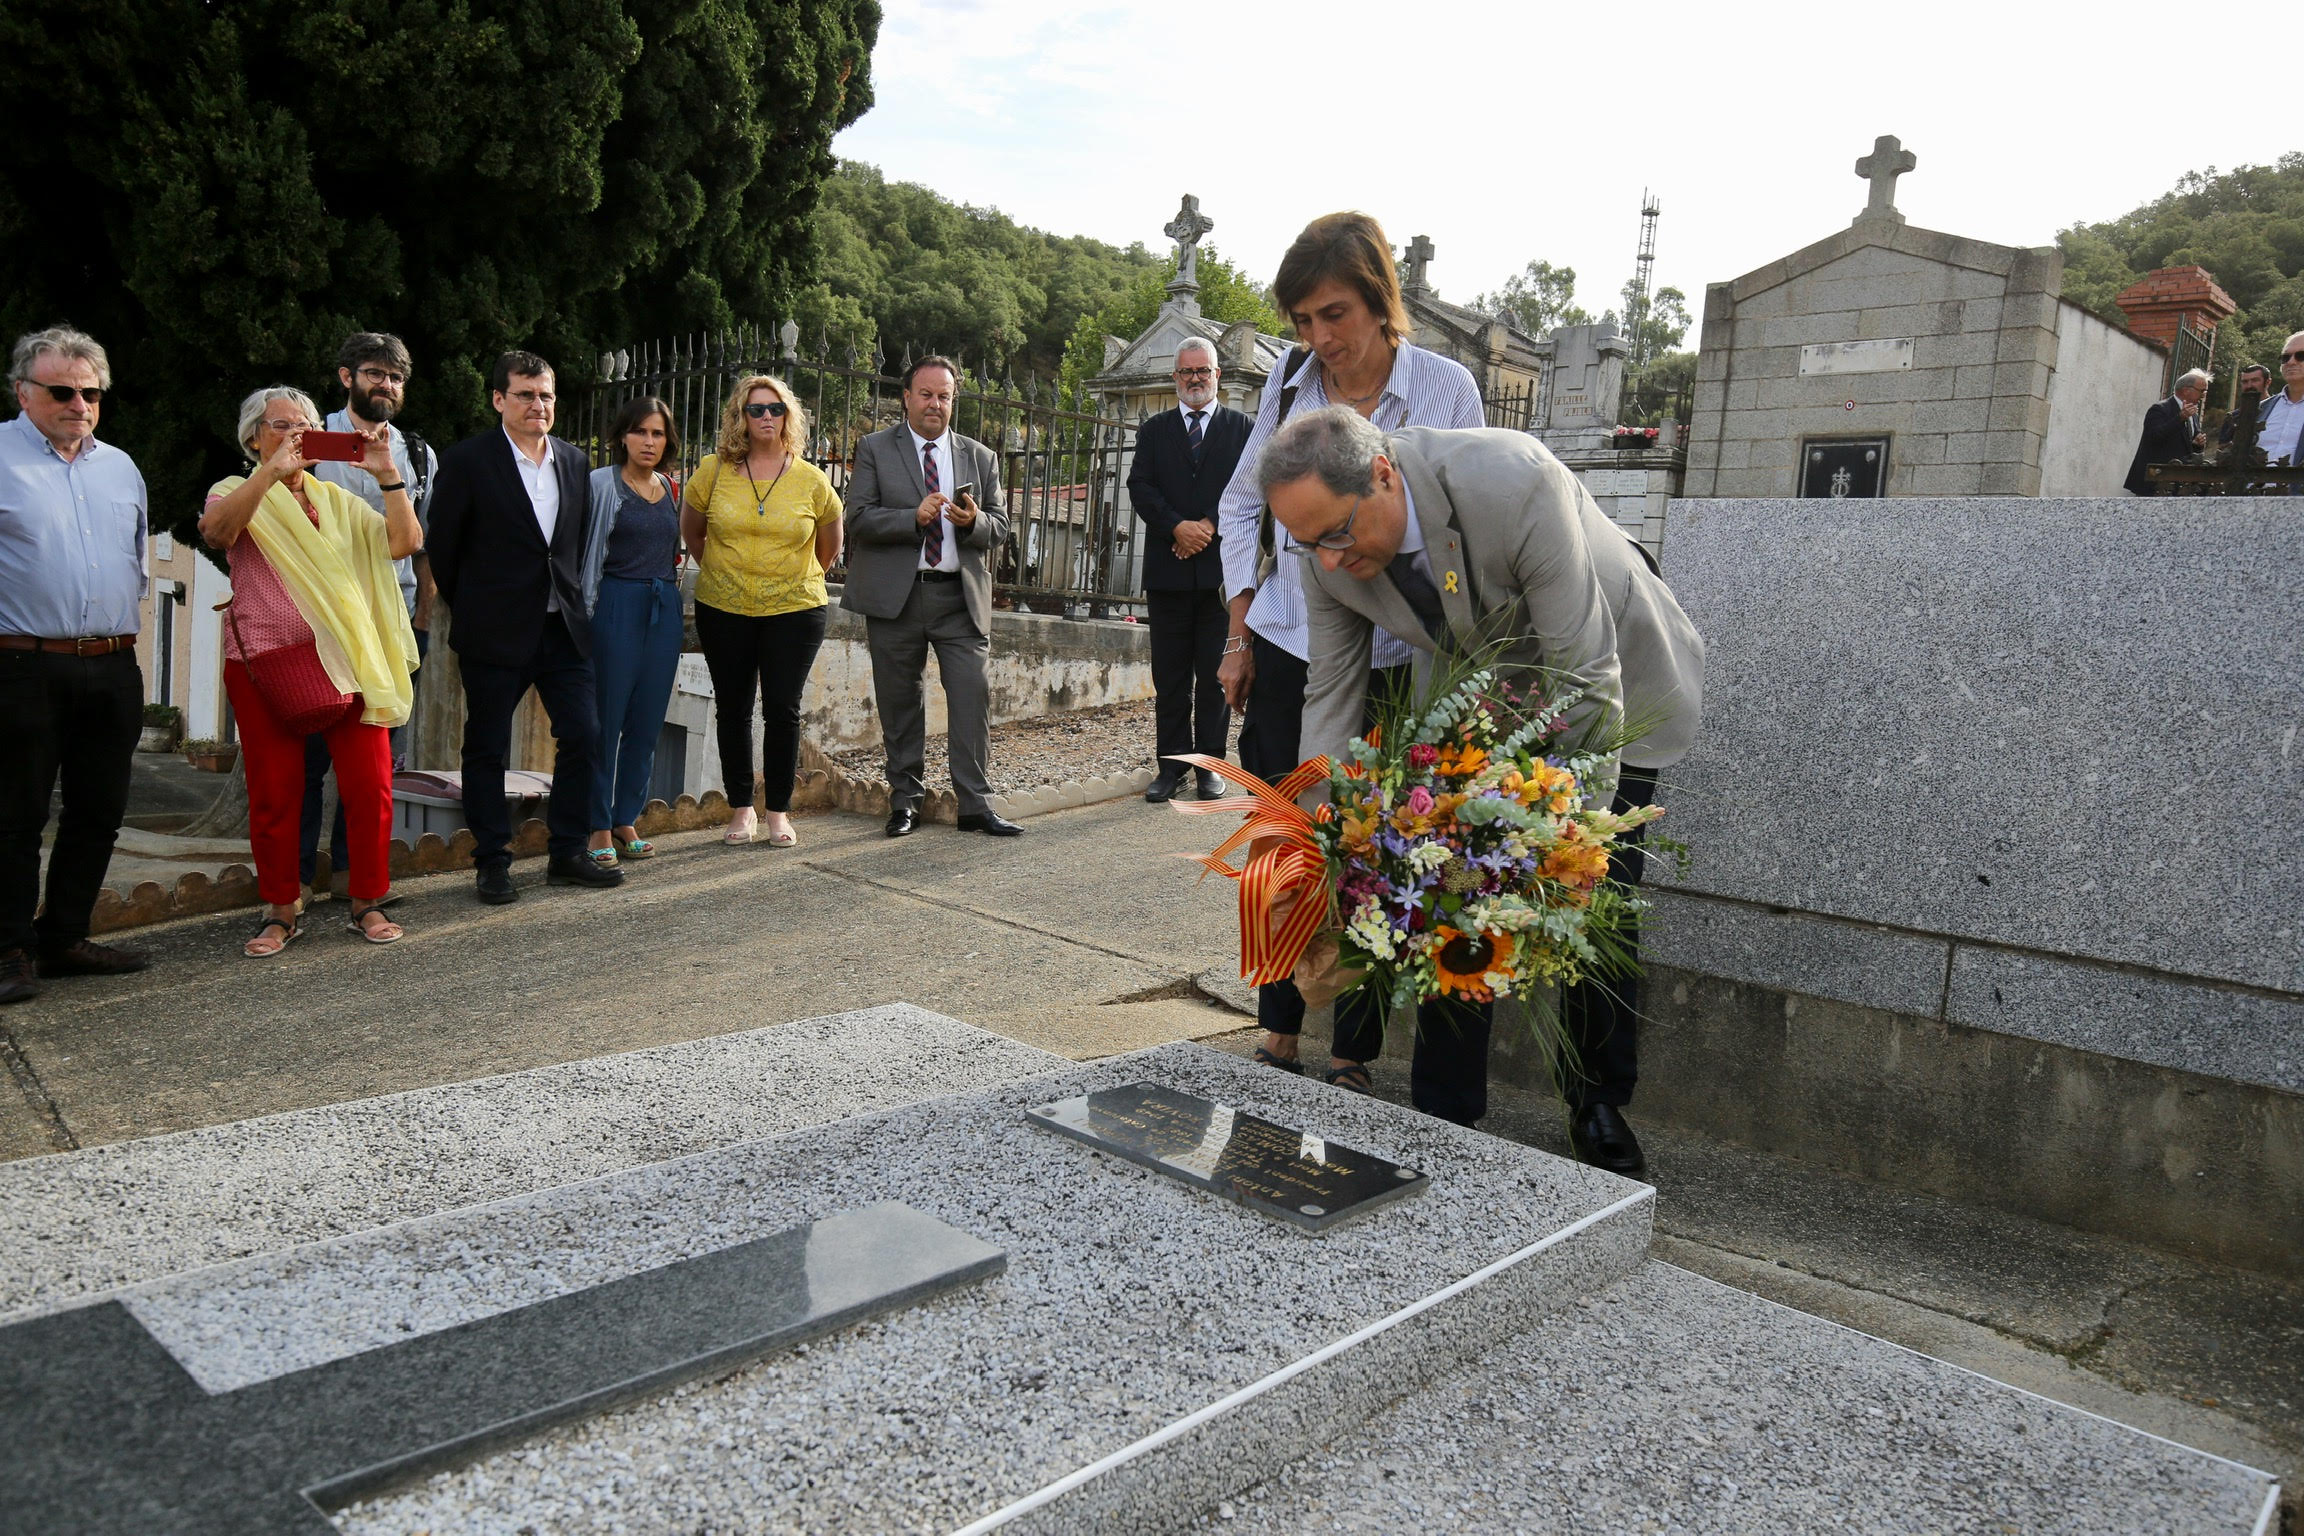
x=636, y=631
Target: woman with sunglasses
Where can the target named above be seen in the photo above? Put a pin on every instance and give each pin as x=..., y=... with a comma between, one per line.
x=764, y=526
x=632, y=591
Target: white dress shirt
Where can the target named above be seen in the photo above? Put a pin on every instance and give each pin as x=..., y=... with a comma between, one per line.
x=542, y=482
x=2283, y=419
x=1425, y=390
x=950, y=559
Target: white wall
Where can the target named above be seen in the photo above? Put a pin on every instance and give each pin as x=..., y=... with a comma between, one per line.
x=2104, y=382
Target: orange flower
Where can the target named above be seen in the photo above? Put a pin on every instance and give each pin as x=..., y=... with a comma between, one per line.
x=1461, y=762
x=1461, y=962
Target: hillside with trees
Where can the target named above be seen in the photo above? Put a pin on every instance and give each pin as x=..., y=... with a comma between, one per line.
x=2246, y=226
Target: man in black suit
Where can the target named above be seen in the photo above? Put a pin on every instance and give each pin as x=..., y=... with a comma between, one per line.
x=507, y=547
x=2171, y=431
x=1184, y=459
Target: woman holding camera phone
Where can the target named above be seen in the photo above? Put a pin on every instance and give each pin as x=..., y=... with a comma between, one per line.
x=764, y=526
x=316, y=626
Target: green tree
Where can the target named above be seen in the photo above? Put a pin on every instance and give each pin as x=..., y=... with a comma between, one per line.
x=1538, y=300
x=1658, y=326
x=220, y=193
x=1227, y=296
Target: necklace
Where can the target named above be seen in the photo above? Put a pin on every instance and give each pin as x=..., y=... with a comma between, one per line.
x=760, y=497
x=1357, y=401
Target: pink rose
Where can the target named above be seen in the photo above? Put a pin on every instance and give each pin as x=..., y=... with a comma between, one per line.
x=1419, y=801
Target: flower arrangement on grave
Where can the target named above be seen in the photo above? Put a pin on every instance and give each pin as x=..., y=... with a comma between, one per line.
x=1453, y=856
x=1636, y=437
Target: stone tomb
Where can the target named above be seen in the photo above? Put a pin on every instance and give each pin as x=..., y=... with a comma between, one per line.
x=1149, y=1351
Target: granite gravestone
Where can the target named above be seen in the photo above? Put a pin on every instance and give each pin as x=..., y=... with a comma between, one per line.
x=108, y=1432
x=1288, y=1175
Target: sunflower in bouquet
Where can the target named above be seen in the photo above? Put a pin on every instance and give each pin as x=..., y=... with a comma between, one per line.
x=1455, y=855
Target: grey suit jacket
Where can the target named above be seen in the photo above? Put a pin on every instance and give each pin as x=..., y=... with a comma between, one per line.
x=1541, y=568
x=882, y=522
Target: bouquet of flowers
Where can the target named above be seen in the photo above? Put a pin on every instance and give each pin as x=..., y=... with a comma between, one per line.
x=1454, y=856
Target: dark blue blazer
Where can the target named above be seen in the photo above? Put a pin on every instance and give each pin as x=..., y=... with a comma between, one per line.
x=1166, y=488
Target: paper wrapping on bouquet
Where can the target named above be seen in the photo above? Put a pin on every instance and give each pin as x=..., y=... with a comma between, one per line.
x=1284, y=894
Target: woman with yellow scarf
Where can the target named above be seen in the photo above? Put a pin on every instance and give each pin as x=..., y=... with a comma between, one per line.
x=325, y=552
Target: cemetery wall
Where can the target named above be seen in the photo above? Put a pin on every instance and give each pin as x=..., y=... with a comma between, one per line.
x=2009, y=782
x=2105, y=379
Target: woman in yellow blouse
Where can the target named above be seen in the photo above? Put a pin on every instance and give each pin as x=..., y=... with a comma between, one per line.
x=764, y=526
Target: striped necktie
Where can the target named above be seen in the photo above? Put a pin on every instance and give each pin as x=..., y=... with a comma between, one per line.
x=1193, y=436
x=932, y=536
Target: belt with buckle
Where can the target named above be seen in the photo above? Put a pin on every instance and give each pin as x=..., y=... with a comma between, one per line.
x=939, y=575
x=99, y=645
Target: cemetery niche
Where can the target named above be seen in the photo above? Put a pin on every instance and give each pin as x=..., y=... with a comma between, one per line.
x=1288, y=1175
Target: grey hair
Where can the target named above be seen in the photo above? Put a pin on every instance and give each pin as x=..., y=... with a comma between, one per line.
x=1198, y=344
x=59, y=341
x=1333, y=444
x=2193, y=376
x=252, y=411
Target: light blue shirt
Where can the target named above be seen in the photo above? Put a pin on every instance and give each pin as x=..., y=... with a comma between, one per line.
x=363, y=485
x=1424, y=390
x=72, y=556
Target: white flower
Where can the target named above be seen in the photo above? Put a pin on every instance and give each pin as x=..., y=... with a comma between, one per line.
x=1427, y=857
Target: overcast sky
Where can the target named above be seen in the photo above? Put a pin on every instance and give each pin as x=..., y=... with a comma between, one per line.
x=1508, y=132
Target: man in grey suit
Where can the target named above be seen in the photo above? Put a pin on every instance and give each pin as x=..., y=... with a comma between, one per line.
x=922, y=511
x=1472, y=538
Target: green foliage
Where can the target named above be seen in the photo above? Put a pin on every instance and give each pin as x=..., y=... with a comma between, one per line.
x=1227, y=296
x=1661, y=328
x=1660, y=390
x=910, y=270
x=220, y=193
x=1538, y=300
x=2246, y=226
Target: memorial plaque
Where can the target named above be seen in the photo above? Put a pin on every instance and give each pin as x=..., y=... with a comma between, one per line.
x=1287, y=1175
x=1893, y=355
x=1844, y=467
x=106, y=1432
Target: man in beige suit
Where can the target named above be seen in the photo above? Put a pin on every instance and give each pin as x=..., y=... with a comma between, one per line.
x=1474, y=538
x=923, y=510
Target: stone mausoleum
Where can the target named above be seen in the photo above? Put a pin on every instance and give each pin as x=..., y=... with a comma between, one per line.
x=1887, y=360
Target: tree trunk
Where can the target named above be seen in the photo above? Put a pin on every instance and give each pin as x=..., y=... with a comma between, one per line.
x=228, y=817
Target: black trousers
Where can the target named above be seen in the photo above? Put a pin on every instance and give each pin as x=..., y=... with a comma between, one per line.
x=1449, y=1077
x=1601, y=1018
x=562, y=678
x=1188, y=711
x=768, y=658
x=1270, y=733
x=74, y=718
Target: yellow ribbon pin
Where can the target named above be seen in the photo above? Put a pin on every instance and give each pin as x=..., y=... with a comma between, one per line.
x=1448, y=581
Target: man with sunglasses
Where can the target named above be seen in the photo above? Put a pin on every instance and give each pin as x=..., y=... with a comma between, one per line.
x=507, y=545
x=1463, y=540
x=73, y=569
x=2280, y=420
x=1184, y=459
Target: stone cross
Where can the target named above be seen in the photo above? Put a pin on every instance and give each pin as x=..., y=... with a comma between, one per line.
x=1186, y=229
x=1419, y=257
x=1889, y=159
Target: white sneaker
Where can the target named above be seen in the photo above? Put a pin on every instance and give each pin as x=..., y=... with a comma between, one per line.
x=742, y=825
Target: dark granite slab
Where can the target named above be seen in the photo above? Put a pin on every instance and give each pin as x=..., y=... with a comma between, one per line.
x=1285, y=1174
x=106, y=1433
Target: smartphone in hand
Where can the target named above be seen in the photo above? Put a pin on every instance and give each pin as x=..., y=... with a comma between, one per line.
x=964, y=491
x=334, y=447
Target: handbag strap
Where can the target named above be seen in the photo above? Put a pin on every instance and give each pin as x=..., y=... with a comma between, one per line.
x=1298, y=356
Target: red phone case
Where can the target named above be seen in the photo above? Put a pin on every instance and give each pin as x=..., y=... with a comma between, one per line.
x=336, y=447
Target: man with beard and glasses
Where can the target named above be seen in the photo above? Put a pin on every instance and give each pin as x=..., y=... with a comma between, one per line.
x=373, y=367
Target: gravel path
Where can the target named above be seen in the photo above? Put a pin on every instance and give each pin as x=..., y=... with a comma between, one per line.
x=1049, y=749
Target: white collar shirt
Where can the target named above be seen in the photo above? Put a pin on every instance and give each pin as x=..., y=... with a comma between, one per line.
x=942, y=446
x=2276, y=434
x=1424, y=390
x=542, y=483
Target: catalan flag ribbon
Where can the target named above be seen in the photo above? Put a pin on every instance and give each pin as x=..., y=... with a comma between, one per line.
x=1283, y=860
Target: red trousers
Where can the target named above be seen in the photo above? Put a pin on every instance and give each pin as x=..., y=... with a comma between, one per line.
x=274, y=759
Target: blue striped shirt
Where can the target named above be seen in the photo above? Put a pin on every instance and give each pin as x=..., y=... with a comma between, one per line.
x=72, y=558
x=1425, y=390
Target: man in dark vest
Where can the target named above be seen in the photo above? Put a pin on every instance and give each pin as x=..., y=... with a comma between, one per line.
x=1184, y=459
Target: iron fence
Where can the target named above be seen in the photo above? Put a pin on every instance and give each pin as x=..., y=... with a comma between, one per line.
x=1071, y=544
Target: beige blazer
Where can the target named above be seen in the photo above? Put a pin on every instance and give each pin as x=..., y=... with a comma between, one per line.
x=1538, y=567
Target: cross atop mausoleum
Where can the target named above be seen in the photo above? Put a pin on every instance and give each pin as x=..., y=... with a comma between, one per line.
x=1420, y=255
x=1186, y=229
x=1889, y=159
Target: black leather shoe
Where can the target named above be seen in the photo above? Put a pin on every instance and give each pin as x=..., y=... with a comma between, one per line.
x=88, y=958
x=1212, y=785
x=1163, y=787
x=16, y=983
x=492, y=883
x=903, y=821
x=991, y=824
x=581, y=869
x=1602, y=1139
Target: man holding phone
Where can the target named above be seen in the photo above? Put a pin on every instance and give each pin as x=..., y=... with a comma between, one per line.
x=923, y=510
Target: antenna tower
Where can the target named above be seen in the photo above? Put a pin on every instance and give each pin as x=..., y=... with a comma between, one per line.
x=1643, y=274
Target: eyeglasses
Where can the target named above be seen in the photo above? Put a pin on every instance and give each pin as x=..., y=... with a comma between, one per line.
x=286, y=427
x=1341, y=538
x=759, y=408
x=391, y=376
x=533, y=396
x=1195, y=373
x=62, y=393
